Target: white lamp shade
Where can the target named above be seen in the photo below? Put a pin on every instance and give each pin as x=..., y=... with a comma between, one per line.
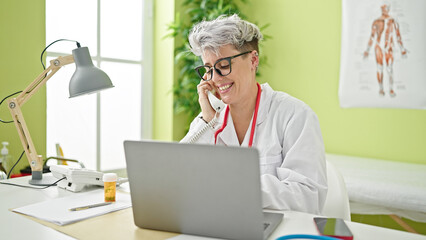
x=87, y=78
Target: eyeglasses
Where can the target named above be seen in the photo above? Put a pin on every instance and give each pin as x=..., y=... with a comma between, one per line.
x=222, y=67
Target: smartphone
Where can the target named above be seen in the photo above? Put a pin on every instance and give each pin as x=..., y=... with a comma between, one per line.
x=333, y=227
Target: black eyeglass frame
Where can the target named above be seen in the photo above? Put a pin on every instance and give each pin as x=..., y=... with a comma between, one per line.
x=217, y=70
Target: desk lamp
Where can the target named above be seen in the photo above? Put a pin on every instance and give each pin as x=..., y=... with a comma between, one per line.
x=86, y=79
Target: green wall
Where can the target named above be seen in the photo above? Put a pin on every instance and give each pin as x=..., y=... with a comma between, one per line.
x=22, y=31
x=22, y=38
x=163, y=71
x=304, y=59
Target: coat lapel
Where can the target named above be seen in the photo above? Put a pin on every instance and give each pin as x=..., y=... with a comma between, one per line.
x=265, y=103
x=229, y=137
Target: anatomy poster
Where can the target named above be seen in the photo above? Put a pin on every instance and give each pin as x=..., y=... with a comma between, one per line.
x=383, y=54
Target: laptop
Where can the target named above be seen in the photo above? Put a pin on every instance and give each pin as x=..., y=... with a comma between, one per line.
x=196, y=189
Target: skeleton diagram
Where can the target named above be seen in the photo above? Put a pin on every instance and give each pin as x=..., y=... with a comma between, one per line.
x=385, y=27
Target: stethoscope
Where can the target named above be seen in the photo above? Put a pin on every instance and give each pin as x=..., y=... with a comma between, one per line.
x=253, y=124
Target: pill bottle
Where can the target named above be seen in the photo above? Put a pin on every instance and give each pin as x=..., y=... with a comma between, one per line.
x=110, y=180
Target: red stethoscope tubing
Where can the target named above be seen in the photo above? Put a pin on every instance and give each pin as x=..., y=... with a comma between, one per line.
x=253, y=124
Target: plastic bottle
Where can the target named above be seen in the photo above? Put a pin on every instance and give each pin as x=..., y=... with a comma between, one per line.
x=5, y=158
x=110, y=180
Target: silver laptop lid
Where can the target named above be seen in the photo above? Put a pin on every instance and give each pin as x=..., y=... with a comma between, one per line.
x=195, y=189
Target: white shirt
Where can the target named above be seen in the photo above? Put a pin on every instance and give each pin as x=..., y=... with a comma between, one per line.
x=292, y=156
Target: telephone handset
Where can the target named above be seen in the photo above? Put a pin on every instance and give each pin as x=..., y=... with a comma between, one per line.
x=218, y=106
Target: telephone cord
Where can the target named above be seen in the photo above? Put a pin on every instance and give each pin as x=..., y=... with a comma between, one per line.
x=210, y=124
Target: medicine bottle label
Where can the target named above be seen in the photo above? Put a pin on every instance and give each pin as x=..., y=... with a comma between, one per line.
x=109, y=191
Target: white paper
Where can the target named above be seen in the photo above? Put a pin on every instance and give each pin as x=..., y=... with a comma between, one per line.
x=57, y=210
x=403, y=80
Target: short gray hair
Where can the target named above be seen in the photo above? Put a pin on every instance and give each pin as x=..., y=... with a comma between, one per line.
x=224, y=30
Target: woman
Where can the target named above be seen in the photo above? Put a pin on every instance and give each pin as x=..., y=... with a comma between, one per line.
x=284, y=130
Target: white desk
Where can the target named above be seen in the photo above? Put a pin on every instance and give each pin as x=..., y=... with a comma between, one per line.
x=16, y=226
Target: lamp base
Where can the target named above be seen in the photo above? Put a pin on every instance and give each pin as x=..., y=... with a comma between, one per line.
x=39, y=180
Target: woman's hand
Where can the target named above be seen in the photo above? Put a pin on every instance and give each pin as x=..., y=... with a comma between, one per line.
x=207, y=110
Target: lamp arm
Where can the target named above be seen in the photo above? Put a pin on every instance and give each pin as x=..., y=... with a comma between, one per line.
x=15, y=104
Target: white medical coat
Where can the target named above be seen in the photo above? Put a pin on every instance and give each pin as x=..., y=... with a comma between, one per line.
x=292, y=156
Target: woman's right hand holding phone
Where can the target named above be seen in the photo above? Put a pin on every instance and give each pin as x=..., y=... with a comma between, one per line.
x=207, y=110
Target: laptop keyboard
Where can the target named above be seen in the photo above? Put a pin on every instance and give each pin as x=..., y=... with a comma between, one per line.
x=266, y=225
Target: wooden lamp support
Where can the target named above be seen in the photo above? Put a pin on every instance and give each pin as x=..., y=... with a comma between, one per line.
x=15, y=104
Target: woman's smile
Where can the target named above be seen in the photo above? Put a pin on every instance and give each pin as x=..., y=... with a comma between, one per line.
x=224, y=88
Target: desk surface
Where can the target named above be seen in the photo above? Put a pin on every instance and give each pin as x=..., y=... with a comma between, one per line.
x=16, y=226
